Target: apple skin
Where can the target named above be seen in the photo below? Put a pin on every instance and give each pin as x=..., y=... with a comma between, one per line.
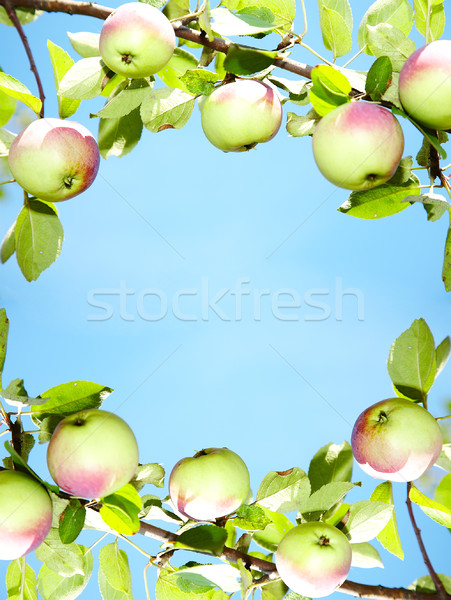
x=313, y=559
x=92, y=454
x=358, y=145
x=54, y=159
x=136, y=40
x=425, y=85
x=239, y=115
x=212, y=484
x=25, y=514
x=396, y=440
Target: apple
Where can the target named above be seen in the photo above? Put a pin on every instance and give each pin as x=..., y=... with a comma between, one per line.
x=396, y=440
x=313, y=559
x=358, y=145
x=54, y=159
x=237, y=116
x=425, y=85
x=136, y=40
x=25, y=514
x=92, y=453
x=212, y=484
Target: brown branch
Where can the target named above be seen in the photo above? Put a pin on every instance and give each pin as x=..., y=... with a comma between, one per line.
x=91, y=9
x=441, y=592
x=10, y=11
x=359, y=590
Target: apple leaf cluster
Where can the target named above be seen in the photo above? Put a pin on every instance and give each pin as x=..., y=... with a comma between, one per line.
x=306, y=526
x=151, y=83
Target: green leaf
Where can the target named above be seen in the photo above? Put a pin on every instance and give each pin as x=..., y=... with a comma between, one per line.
x=425, y=585
x=118, y=137
x=203, y=538
x=199, y=81
x=403, y=172
x=389, y=536
x=379, y=78
x=14, y=586
x=365, y=556
x=382, y=201
x=270, y=537
x=253, y=22
x=301, y=126
x=150, y=473
x=55, y=586
x=7, y=108
x=283, y=11
x=72, y=520
x=123, y=103
x=205, y=21
x=38, y=237
x=246, y=580
x=283, y=492
x=14, y=88
x=367, y=519
x=183, y=585
x=442, y=353
x=297, y=89
x=84, y=79
x=442, y=493
x=4, y=328
x=446, y=270
x=336, y=33
x=332, y=462
x=181, y=61
x=444, y=460
x=6, y=139
x=193, y=579
x=324, y=499
x=65, y=559
x=8, y=246
x=330, y=89
x=114, y=565
x=66, y=399
x=434, y=510
x=397, y=13
x=434, y=204
x=251, y=518
x=386, y=40
x=166, y=108
x=120, y=510
x=247, y=61
x=436, y=18
x=61, y=63
x=26, y=441
x=85, y=43
x=411, y=362
x=274, y=591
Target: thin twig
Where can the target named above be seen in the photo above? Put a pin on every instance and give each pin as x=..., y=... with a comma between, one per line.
x=10, y=10
x=435, y=578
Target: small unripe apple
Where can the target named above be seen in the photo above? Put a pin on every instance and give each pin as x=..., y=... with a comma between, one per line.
x=136, y=40
x=239, y=115
x=212, y=484
x=313, y=559
x=396, y=440
x=425, y=85
x=92, y=454
x=54, y=159
x=25, y=514
x=358, y=145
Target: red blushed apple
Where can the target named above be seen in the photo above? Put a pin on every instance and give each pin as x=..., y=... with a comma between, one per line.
x=92, y=454
x=212, y=484
x=358, y=145
x=239, y=115
x=25, y=514
x=313, y=559
x=396, y=440
x=54, y=159
x=136, y=40
x=425, y=85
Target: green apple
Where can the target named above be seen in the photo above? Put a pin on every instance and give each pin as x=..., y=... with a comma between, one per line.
x=92, y=454
x=425, y=85
x=239, y=115
x=25, y=514
x=313, y=559
x=212, y=484
x=54, y=159
x=396, y=440
x=358, y=145
x=136, y=40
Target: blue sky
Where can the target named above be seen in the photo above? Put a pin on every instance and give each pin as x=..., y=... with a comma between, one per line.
x=177, y=223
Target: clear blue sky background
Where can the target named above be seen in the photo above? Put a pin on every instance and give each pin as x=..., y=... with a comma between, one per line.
x=179, y=215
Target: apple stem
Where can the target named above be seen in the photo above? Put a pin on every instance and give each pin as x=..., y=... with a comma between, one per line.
x=10, y=10
x=435, y=578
